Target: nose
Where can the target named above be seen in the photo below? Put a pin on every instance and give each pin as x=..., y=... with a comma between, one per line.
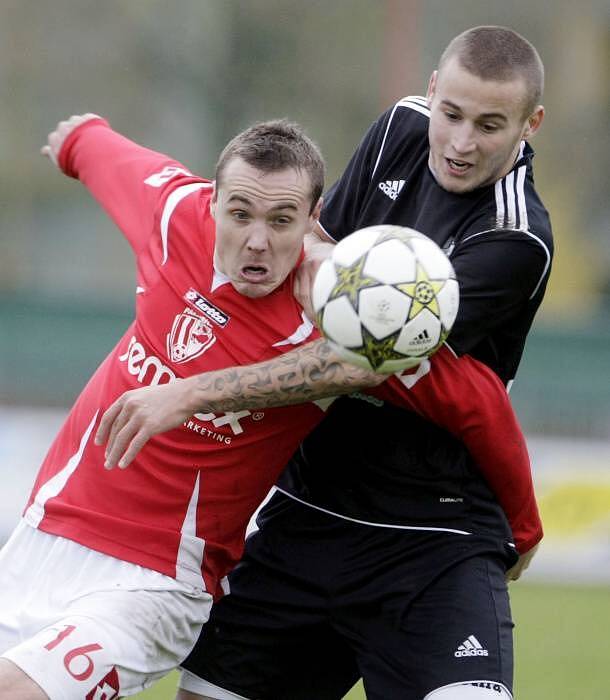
x=463, y=138
x=258, y=238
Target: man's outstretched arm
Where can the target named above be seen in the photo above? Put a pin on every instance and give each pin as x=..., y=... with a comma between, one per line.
x=313, y=371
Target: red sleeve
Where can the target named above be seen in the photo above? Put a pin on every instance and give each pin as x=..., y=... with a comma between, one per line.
x=468, y=399
x=129, y=181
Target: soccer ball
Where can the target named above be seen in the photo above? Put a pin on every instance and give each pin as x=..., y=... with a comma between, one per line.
x=386, y=298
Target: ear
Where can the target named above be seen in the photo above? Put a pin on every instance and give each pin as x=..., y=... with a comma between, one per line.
x=533, y=122
x=315, y=214
x=213, y=200
x=432, y=86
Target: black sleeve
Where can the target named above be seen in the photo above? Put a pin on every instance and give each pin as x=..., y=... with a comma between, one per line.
x=342, y=203
x=499, y=272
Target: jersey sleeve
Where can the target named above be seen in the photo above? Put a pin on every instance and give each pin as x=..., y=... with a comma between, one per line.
x=498, y=271
x=343, y=201
x=468, y=399
x=129, y=181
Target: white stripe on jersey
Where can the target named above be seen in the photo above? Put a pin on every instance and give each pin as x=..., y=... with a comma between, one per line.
x=416, y=103
x=366, y=522
x=419, y=104
x=548, y=260
x=523, y=220
x=301, y=333
x=172, y=202
x=500, y=211
x=35, y=513
x=190, y=551
x=510, y=197
x=384, y=138
x=511, y=203
x=537, y=239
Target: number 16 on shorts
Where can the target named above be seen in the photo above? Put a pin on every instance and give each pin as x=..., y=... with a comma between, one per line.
x=79, y=662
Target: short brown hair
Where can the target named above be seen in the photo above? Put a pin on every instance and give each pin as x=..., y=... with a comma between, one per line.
x=499, y=53
x=276, y=145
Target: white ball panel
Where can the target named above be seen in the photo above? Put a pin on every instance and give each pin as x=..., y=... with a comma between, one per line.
x=390, y=262
x=325, y=280
x=449, y=301
x=352, y=247
x=383, y=310
x=432, y=258
x=340, y=323
x=420, y=335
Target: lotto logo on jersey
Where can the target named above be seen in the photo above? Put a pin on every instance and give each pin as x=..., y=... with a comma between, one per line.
x=191, y=336
x=107, y=688
x=206, y=307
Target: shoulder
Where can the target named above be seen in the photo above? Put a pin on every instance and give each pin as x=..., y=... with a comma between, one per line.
x=511, y=208
x=518, y=211
x=401, y=129
x=410, y=115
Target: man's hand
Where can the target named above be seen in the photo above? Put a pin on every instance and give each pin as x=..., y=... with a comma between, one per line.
x=316, y=251
x=138, y=415
x=524, y=561
x=62, y=131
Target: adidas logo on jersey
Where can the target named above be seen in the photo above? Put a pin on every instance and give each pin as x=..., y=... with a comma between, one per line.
x=471, y=647
x=391, y=188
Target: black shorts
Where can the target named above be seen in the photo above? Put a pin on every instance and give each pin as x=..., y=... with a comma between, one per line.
x=317, y=602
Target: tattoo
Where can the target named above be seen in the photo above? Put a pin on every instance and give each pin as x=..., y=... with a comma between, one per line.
x=313, y=371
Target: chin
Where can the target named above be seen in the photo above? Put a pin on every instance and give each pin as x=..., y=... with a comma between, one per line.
x=459, y=185
x=253, y=291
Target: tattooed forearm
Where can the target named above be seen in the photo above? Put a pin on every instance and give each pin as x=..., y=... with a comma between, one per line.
x=313, y=371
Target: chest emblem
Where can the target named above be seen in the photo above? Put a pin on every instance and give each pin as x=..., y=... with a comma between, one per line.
x=191, y=336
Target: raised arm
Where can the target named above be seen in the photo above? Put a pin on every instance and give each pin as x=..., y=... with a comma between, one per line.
x=310, y=372
x=128, y=180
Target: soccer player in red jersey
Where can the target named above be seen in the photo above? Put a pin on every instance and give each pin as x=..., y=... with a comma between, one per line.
x=111, y=573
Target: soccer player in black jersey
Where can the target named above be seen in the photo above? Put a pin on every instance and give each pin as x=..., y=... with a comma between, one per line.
x=383, y=553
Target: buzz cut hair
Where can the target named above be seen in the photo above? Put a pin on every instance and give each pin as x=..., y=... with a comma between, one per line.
x=498, y=53
x=275, y=145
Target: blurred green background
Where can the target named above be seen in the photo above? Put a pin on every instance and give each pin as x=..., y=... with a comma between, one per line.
x=183, y=77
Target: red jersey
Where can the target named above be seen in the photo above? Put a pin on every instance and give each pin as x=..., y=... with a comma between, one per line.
x=183, y=505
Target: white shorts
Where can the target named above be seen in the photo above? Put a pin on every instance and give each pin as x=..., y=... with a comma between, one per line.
x=85, y=625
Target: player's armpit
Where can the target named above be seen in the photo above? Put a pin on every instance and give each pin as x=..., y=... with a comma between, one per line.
x=466, y=398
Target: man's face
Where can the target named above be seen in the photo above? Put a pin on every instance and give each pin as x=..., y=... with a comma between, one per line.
x=476, y=127
x=261, y=219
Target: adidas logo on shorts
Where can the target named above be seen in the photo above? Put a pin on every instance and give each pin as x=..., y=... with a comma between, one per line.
x=471, y=647
x=391, y=188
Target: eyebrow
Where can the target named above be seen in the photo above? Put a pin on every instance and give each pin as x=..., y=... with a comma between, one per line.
x=487, y=115
x=248, y=202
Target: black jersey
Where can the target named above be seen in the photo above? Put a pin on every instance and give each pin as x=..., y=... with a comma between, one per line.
x=375, y=463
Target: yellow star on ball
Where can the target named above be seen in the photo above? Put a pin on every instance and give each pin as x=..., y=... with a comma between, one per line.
x=350, y=280
x=422, y=291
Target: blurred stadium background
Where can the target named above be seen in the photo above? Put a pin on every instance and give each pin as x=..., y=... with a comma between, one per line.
x=183, y=77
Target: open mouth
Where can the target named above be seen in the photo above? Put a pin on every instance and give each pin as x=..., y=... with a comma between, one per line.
x=254, y=273
x=458, y=166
